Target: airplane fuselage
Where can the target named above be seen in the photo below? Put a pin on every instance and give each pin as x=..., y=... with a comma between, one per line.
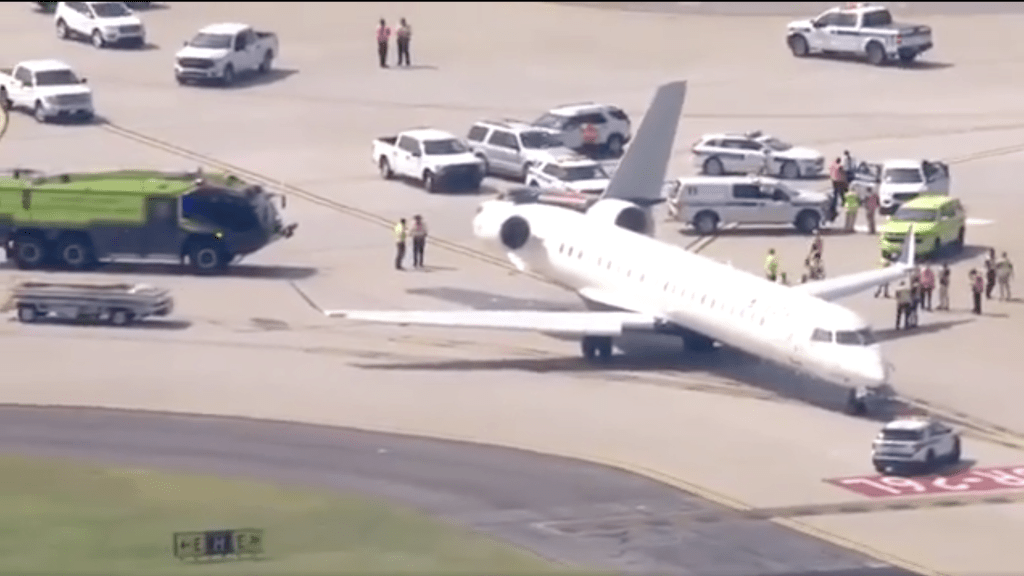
x=625, y=270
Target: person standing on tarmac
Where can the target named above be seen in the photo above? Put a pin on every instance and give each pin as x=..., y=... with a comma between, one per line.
x=419, y=240
x=977, y=289
x=1004, y=274
x=927, y=286
x=848, y=166
x=883, y=289
x=839, y=185
x=401, y=232
x=402, y=38
x=851, y=204
x=870, y=209
x=904, y=304
x=383, y=37
x=944, y=287
x=990, y=273
x=771, y=266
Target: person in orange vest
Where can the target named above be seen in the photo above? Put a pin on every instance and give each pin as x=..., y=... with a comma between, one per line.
x=383, y=37
x=402, y=38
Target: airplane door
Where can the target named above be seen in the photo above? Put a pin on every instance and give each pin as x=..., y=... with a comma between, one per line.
x=797, y=348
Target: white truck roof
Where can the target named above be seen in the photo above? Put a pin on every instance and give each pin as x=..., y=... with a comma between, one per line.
x=916, y=423
x=224, y=28
x=729, y=180
x=574, y=109
x=858, y=7
x=902, y=163
x=428, y=134
x=36, y=65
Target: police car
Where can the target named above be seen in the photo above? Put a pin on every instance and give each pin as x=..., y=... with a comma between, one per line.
x=917, y=444
x=755, y=153
x=574, y=174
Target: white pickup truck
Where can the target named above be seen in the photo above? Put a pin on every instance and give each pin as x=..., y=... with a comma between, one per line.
x=435, y=158
x=899, y=181
x=222, y=52
x=859, y=29
x=49, y=88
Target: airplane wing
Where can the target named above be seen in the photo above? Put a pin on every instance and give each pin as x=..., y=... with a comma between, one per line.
x=575, y=323
x=849, y=284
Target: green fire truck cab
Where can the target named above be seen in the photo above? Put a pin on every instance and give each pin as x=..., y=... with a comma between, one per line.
x=75, y=221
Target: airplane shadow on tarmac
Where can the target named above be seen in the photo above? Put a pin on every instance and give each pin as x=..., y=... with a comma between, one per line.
x=642, y=352
x=256, y=271
x=889, y=334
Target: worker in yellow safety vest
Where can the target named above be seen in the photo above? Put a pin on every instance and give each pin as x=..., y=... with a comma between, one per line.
x=771, y=266
x=401, y=232
x=851, y=203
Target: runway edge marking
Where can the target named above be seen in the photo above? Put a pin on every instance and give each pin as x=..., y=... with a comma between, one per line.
x=686, y=486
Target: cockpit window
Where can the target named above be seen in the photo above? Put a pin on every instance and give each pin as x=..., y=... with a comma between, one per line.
x=863, y=337
x=820, y=335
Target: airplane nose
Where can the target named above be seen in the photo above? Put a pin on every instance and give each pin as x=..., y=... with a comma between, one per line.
x=873, y=369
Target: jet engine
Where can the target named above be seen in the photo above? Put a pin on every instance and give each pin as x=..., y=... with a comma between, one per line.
x=514, y=232
x=624, y=215
x=496, y=223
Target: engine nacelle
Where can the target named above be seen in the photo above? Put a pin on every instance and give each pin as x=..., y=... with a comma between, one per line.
x=624, y=215
x=498, y=223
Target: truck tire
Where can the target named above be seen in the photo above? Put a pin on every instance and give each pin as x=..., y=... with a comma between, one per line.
x=121, y=317
x=954, y=456
x=958, y=245
x=614, y=145
x=97, y=39
x=62, y=29
x=429, y=181
x=385, y=169
x=39, y=113
x=29, y=252
x=713, y=167
x=266, y=63
x=876, y=53
x=207, y=257
x=228, y=78
x=705, y=223
x=808, y=221
x=5, y=101
x=27, y=313
x=798, y=46
x=75, y=253
x=908, y=57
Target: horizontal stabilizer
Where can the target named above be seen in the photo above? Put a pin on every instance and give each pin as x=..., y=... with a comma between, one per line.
x=575, y=323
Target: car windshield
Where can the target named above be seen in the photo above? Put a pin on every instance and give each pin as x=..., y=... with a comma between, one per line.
x=539, y=140
x=902, y=176
x=901, y=435
x=776, y=145
x=444, y=147
x=588, y=172
x=110, y=9
x=56, y=78
x=862, y=337
x=552, y=121
x=904, y=214
x=214, y=41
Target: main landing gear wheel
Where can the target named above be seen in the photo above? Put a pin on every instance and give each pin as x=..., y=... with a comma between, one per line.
x=596, y=347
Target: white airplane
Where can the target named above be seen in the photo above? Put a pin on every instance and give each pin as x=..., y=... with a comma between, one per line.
x=632, y=282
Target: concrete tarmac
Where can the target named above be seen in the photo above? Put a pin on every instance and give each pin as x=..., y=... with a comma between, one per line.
x=726, y=427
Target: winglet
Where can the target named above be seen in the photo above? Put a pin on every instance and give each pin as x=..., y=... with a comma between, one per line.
x=909, y=249
x=640, y=175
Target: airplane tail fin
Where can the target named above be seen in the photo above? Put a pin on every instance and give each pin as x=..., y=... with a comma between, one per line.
x=908, y=252
x=640, y=176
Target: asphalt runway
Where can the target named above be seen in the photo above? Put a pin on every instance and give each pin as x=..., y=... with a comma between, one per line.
x=725, y=427
x=509, y=494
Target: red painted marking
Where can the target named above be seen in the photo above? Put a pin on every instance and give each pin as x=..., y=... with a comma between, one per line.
x=975, y=480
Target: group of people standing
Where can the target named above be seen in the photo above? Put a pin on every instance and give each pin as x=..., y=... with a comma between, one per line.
x=841, y=173
x=403, y=36
x=403, y=231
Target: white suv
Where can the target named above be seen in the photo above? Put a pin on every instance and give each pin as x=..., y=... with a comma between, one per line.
x=573, y=174
x=103, y=23
x=755, y=153
x=915, y=444
x=509, y=147
x=589, y=126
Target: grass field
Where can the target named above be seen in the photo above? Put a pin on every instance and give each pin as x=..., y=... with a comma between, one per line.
x=66, y=518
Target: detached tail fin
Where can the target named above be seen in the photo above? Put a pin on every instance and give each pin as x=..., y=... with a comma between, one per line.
x=908, y=252
x=640, y=176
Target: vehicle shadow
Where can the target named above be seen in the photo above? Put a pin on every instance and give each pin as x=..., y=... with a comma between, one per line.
x=642, y=352
x=274, y=76
x=255, y=271
x=890, y=334
x=485, y=189
x=748, y=231
x=148, y=46
x=944, y=471
x=146, y=324
x=855, y=60
x=969, y=252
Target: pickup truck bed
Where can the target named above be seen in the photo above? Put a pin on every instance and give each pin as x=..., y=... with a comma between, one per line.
x=391, y=140
x=7, y=71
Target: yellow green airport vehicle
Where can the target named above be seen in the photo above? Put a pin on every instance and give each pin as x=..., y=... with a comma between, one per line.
x=76, y=221
x=940, y=223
